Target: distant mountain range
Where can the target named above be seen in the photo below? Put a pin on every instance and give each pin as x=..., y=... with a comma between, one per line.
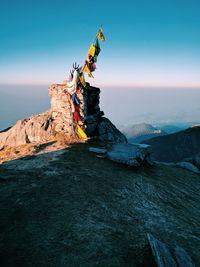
x=177, y=146
x=169, y=129
x=140, y=132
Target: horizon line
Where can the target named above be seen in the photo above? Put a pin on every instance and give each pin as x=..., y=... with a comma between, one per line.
x=105, y=85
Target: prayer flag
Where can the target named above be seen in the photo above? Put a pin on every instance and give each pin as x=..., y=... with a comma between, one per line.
x=91, y=50
x=82, y=80
x=98, y=49
x=86, y=69
x=100, y=35
x=81, y=133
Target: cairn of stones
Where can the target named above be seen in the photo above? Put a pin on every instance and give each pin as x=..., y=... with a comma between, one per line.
x=58, y=119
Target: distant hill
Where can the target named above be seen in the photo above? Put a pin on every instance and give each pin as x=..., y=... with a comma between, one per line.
x=169, y=129
x=175, y=127
x=176, y=147
x=140, y=132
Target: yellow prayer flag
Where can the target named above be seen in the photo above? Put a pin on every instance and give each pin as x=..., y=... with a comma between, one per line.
x=81, y=133
x=86, y=69
x=101, y=35
x=91, y=50
x=82, y=80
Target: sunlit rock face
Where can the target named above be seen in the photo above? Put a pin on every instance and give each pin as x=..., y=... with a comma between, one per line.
x=60, y=119
x=62, y=109
x=35, y=129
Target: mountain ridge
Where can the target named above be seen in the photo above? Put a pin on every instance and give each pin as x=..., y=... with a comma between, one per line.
x=140, y=132
x=177, y=146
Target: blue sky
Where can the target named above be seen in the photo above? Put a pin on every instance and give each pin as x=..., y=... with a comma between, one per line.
x=148, y=43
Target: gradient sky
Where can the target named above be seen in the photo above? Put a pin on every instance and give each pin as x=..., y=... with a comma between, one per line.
x=148, y=43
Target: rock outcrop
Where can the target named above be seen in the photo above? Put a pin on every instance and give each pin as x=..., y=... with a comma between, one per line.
x=59, y=119
x=129, y=154
x=35, y=129
x=133, y=155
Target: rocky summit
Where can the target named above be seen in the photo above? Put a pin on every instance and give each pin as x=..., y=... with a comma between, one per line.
x=68, y=202
x=58, y=120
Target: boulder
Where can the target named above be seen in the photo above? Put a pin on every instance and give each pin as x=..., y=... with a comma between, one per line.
x=35, y=129
x=129, y=154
